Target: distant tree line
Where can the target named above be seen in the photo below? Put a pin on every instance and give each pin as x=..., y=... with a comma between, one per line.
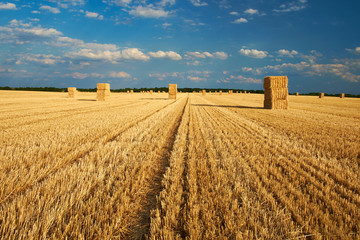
x=53, y=89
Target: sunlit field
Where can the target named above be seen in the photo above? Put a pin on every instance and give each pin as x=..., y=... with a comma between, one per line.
x=201, y=167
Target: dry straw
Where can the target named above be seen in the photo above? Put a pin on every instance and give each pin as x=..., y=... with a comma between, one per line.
x=342, y=95
x=276, y=92
x=172, y=91
x=297, y=93
x=103, y=91
x=245, y=92
x=220, y=92
x=203, y=92
x=131, y=91
x=151, y=91
x=322, y=95
x=72, y=92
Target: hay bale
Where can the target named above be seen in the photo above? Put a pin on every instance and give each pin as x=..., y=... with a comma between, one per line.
x=245, y=92
x=151, y=91
x=220, y=92
x=103, y=91
x=72, y=92
x=297, y=93
x=342, y=95
x=172, y=91
x=276, y=92
x=203, y=92
x=321, y=95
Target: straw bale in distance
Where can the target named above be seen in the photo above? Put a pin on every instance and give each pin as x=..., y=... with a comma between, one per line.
x=297, y=93
x=172, y=91
x=322, y=95
x=276, y=92
x=245, y=92
x=72, y=92
x=342, y=95
x=203, y=92
x=151, y=91
x=220, y=92
x=103, y=91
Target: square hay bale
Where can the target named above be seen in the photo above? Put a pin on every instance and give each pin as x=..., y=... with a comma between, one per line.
x=103, y=91
x=220, y=92
x=131, y=91
x=275, y=82
x=172, y=91
x=321, y=95
x=151, y=91
x=245, y=92
x=158, y=92
x=275, y=92
x=127, y=92
x=297, y=93
x=342, y=95
x=203, y=92
x=72, y=92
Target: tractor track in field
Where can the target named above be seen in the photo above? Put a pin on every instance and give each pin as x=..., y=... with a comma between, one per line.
x=79, y=155
x=143, y=229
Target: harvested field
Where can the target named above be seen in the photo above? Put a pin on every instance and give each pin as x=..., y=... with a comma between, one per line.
x=201, y=167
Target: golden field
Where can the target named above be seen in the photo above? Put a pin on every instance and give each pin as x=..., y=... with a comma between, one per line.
x=201, y=167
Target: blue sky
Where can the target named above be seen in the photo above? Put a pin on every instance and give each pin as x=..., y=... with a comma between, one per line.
x=194, y=43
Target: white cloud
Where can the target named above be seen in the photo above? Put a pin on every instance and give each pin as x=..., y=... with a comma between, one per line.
x=111, y=56
x=241, y=20
x=251, y=11
x=356, y=50
x=39, y=58
x=119, y=75
x=246, y=69
x=118, y=2
x=149, y=12
x=253, y=53
x=166, y=2
x=196, y=79
x=198, y=3
x=194, y=63
x=234, y=13
x=291, y=6
x=163, y=76
x=50, y=9
x=283, y=52
x=161, y=54
x=7, y=6
x=78, y=75
x=242, y=79
x=194, y=55
x=165, y=25
x=35, y=11
x=94, y=15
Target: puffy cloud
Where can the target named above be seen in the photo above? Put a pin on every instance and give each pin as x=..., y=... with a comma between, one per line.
x=78, y=75
x=242, y=79
x=39, y=58
x=283, y=52
x=234, y=13
x=240, y=20
x=170, y=55
x=118, y=2
x=291, y=6
x=149, y=12
x=219, y=55
x=196, y=79
x=94, y=15
x=194, y=63
x=251, y=11
x=7, y=6
x=163, y=76
x=198, y=3
x=356, y=50
x=253, y=53
x=166, y=2
x=246, y=69
x=50, y=9
x=107, y=55
x=119, y=75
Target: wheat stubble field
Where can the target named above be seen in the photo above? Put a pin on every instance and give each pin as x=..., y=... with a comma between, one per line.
x=201, y=167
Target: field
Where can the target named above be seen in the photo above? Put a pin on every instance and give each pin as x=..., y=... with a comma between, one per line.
x=201, y=167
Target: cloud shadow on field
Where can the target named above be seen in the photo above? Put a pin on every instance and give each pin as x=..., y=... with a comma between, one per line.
x=87, y=100
x=154, y=98
x=226, y=106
